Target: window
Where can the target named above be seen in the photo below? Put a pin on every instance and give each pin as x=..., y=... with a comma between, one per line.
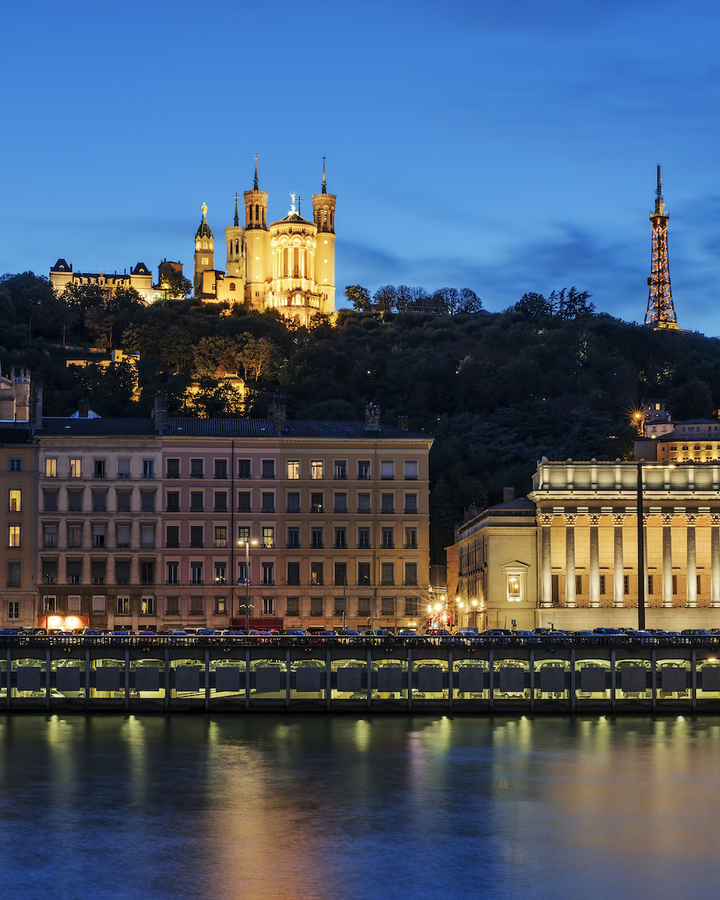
x=172, y=468
x=243, y=534
x=49, y=571
x=411, y=606
x=292, y=606
x=74, y=535
x=293, y=469
x=363, y=540
x=14, y=609
x=293, y=573
x=387, y=503
x=363, y=470
x=172, y=606
x=340, y=542
x=147, y=501
x=147, y=606
x=650, y=584
x=387, y=606
x=123, y=468
x=50, y=535
x=317, y=607
x=51, y=468
x=363, y=503
x=147, y=572
x=123, y=500
x=364, y=606
x=363, y=569
x=98, y=571
x=244, y=470
x=74, y=500
x=220, y=539
x=411, y=539
x=221, y=468
x=555, y=588
x=98, y=536
x=220, y=573
x=411, y=573
x=148, y=468
x=243, y=501
x=173, y=573
x=387, y=573
x=268, y=468
x=340, y=470
x=411, y=504
x=197, y=538
x=197, y=468
x=99, y=468
x=196, y=573
x=267, y=502
x=317, y=573
x=220, y=606
x=317, y=503
x=14, y=575
x=602, y=584
x=316, y=469
x=99, y=501
x=172, y=536
x=197, y=501
x=13, y=535
x=340, y=574
x=317, y=539
x=15, y=464
x=268, y=536
x=73, y=571
x=15, y=500
x=387, y=469
x=50, y=500
x=626, y=584
x=172, y=501
x=268, y=573
x=674, y=584
x=268, y=606
x=123, y=606
x=340, y=504
x=698, y=582
x=410, y=467
x=293, y=501
x=122, y=571
x=220, y=504
x=147, y=536
x=387, y=538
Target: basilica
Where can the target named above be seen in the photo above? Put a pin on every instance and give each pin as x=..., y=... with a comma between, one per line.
x=288, y=265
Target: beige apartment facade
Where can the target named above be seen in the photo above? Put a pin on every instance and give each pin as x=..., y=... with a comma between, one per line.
x=18, y=511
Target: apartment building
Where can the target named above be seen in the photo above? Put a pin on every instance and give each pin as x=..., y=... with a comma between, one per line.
x=18, y=510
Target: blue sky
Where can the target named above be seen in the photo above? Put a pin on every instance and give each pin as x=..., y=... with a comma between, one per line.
x=503, y=146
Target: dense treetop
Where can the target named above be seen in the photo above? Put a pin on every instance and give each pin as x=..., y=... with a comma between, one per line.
x=547, y=377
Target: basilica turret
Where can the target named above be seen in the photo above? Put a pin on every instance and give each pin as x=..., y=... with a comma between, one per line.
x=235, y=242
x=257, y=246
x=324, y=216
x=204, y=251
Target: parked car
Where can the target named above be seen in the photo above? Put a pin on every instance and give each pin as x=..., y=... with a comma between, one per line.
x=527, y=637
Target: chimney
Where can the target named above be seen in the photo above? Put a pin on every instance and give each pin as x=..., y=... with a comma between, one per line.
x=277, y=411
x=160, y=412
x=403, y=423
x=508, y=494
x=372, y=417
x=83, y=408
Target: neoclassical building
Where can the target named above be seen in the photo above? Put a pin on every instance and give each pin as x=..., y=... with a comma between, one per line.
x=288, y=265
x=567, y=555
x=139, y=278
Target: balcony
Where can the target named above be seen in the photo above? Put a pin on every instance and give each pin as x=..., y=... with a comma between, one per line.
x=122, y=546
x=74, y=579
x=50, y=541
x=220, y=544
x=122, y=581
x=120, y=475
x=98, y=581
x=411, y=510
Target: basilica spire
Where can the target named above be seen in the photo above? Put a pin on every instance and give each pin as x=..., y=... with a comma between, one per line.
x=324, y=183
x=255, y=182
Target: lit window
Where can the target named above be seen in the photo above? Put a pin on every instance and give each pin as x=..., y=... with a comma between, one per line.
x=513, y=587
x=51, y=468
x=13, y=535
x=316, y=469
x=293, y=469
x=76, y=468
x=15, y=500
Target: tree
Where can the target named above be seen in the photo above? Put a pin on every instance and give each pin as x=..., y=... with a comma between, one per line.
x=177, y=287
x=691, y=400
x=469, y=302
x=534, y=306
x=85, y=296
x=385, y=298
x=359, y=297
x=258, y=357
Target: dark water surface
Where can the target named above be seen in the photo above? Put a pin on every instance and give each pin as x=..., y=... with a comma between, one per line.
x=317, y=807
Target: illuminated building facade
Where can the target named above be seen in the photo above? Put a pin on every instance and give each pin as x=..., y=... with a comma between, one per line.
x=140, y=278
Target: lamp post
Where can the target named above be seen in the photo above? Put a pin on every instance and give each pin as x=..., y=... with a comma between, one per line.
x=247, y=583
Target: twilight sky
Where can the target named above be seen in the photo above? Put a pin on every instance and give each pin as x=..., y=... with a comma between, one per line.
x=502, y=145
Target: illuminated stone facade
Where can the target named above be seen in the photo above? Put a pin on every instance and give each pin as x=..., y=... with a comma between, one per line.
x=140, y=278
x=288, y=265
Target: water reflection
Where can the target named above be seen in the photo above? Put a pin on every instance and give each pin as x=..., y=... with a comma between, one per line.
x=317, y=807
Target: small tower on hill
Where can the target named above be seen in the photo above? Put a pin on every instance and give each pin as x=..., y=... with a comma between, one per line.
x=660, y=310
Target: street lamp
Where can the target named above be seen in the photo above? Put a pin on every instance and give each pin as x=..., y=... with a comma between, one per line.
x=247, y=582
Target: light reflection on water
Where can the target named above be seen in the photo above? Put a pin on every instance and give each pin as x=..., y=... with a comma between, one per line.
x=321, y=808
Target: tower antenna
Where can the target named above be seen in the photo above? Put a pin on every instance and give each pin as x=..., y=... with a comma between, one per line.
x=660, y=313
x=255, y=183
x=324, y=183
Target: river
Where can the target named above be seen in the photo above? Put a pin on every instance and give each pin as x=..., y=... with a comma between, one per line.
x=341, y=808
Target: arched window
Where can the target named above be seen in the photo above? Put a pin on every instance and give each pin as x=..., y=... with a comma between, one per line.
x=257, y=212
x=232, y=285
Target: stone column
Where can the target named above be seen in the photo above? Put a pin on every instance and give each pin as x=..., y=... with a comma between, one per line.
x=618, y=574
x=546, y=583
x=570, y=559
x=594, y=560
x=667, y=592
x=714, y=559
x=691, y=594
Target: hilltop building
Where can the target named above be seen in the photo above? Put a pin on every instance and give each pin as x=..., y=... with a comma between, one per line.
x=140, y=278
x=288, y=265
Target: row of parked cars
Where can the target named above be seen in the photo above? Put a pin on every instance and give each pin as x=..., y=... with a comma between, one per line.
x=598, y=636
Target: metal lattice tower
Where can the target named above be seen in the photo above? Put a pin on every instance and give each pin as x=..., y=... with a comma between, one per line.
x=660, y=310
